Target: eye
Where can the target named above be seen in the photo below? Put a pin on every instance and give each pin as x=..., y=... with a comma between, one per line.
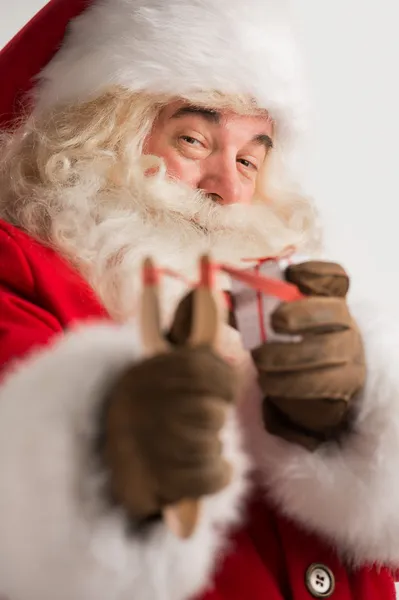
x=248, y=164
x=190, y=140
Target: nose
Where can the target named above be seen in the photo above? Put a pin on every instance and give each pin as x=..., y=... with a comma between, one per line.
x=221, y=179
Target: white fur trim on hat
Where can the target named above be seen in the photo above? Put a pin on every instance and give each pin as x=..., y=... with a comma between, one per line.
x=179, y=47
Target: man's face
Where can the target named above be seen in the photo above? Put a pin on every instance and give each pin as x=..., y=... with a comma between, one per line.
x=218, y=152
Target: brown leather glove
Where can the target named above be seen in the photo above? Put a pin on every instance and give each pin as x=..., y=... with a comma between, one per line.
x=161, y=430
x=308, y=385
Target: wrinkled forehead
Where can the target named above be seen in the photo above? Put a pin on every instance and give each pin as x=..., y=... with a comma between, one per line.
x=244, y=114
x=225, y=104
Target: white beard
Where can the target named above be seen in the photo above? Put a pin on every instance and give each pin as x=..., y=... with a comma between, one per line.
x=107, y=234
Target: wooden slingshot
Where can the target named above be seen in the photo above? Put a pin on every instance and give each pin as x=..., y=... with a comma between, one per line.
x=182, y=517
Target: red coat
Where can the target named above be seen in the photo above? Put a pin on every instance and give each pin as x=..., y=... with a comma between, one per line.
x=269, y=558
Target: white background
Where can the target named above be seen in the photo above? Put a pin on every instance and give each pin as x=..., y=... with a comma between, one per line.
x=352, y=53
x=351, y=49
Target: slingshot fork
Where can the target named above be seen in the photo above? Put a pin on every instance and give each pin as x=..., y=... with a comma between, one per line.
x=180, y=518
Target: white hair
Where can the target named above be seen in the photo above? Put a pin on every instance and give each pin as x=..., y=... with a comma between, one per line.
x=75, y=179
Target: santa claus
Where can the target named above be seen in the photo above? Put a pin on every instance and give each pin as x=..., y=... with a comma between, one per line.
x=165, y=128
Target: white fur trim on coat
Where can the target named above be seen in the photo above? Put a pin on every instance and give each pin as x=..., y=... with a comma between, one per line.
x=348, y=493
x=180, y=47
x=58, y=538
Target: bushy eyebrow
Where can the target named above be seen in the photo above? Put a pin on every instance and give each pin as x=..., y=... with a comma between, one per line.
x=263, y=140
x=213, y=116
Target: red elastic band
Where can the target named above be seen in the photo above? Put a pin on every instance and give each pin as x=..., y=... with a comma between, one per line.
x=151, y=274
x=261, y=315
x=284, y=255
x=175, y=275
x=286, y=292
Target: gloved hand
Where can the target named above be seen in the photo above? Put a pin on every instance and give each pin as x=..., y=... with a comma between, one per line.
x=161, y=429
x=308, y=385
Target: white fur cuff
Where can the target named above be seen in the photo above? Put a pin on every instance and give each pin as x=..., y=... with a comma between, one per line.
x=348, y=493
x=57, y=539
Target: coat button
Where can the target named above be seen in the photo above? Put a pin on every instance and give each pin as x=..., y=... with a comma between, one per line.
x=320, y=581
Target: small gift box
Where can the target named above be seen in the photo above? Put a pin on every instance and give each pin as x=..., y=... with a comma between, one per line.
x=256, y=293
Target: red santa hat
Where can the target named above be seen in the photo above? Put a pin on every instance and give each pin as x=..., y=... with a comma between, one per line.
x=74, y=49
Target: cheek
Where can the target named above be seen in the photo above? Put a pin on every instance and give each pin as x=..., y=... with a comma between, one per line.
x=248, y=193
x=176, y=166
x=181, y=169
